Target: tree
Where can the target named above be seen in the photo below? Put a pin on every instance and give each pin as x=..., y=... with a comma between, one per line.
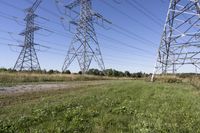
x=67, y=72
x=115, y=73
x=3, y=69
x=127, y=73
x=121, y=74
x=109, y=72
x=139, y=74
x=50, y=71
x=80, y=72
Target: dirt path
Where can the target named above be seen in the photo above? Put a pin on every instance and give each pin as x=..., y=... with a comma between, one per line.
x=49, y=86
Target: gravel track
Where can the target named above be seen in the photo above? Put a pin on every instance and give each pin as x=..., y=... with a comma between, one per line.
x=48, y=86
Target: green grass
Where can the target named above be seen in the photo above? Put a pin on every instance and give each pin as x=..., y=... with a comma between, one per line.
x=121, y=106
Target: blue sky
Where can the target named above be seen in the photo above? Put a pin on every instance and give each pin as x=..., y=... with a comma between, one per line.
x=118, y=52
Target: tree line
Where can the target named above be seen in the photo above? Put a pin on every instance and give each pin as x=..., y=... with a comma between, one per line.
x=116, y=73
x=96, y=72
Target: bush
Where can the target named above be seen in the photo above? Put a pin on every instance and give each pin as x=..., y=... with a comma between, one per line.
x=3, y=70
x=80, y=73
x=195, y=81
x=66, y=72
x=169, y=79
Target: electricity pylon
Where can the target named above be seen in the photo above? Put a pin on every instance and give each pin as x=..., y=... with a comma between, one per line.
x=28, y=59
x=84, y=46
x=180, y=41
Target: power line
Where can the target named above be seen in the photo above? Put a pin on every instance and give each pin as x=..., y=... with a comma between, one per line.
x=10, y=5
x=128, y=53
x=44, y=9
x=136, y=5
x=9, y=32
x=62, y=54
x=109, y=38
x=118, y=60
x=162, y=1
x=128, y=35
x=43, y=27
x=6, y=17
x=139, y=38
x=112, y=39
x=123, y=43
x=52, y=48
x=129, y=17
x=148, y=12
x=131, y=34
x=60, y=50
x=128, y=57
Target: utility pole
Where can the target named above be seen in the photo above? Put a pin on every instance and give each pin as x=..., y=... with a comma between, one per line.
x=180, y=41
x=84, y=46
x=28, y=59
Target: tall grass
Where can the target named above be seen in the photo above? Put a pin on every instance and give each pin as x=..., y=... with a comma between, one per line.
x=195, y=81
x=190, y=79
x=16, y=78
x=168, y=79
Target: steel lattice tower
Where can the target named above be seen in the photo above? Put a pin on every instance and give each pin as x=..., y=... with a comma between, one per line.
x=180, y=42
x=28, y=59
x=84, y=46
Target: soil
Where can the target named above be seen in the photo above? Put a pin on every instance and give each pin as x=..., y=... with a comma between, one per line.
x=48, y=86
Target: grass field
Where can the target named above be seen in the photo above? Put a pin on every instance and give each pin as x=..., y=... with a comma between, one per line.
x=121, y=106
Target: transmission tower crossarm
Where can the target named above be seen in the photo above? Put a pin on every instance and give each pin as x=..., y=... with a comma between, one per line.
x=73, y=4
x=73, y=22
x=98, y=15
x=30, y=30
x=34, y=6
x=197, y=7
